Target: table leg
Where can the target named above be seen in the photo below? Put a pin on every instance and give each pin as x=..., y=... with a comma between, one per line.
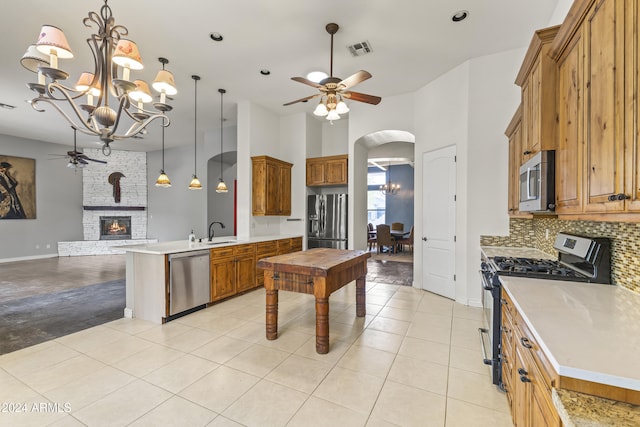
x=361, y=302
x=272, y=314
x=322, y=325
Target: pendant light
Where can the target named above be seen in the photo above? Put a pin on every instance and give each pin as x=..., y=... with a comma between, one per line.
x=222, y=187
x=195, y=182
x=163, y=180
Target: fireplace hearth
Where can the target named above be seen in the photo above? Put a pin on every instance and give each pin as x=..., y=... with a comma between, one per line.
x=115, y=227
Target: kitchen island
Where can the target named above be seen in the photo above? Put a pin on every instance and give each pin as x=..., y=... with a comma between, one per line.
x=232, y=270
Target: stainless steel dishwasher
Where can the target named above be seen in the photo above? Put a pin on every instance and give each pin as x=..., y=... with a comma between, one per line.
x=189, y=280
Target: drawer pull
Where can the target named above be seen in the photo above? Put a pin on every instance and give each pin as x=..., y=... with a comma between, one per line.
x=503, y=301
x=524, y=379
x=525, y=342
x=521, y=371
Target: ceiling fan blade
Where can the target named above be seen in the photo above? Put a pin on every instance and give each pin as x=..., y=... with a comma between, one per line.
x=306, y=81
x=302, y=99
x=95, y=160
x=362, y=97
x=354, y=79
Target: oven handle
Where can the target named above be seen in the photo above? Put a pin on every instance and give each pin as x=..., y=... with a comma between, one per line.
x=483, y=332
x=485, y=283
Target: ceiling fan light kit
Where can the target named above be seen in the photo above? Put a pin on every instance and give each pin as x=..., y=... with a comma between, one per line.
x=112, y=54
x=333, y=90
x=78, y=159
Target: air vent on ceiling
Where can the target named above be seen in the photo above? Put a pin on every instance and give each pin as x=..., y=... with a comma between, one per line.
x=360, y=49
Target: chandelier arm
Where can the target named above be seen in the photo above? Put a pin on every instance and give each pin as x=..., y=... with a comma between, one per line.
x=53, y=101
x=66, y=116
x=136, y=128
x=63, y=89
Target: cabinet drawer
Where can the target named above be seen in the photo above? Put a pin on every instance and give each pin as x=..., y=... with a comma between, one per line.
x=245, y=249
x=266, y=248
x=507, y=304
x=524, y=337
x=221, y=252
x=296, y=244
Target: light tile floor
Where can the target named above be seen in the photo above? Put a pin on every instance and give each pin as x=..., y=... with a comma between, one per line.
x=414, y=360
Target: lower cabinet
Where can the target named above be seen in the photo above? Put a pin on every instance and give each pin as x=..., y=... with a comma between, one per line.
x=528, y=376
x=233, y=268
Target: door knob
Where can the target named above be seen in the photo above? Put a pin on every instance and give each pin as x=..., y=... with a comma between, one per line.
x=424, y=238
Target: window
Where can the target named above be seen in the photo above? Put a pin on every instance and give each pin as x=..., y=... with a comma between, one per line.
x=376, y=201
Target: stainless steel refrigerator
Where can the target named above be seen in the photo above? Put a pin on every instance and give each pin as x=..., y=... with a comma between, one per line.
x=327, y=224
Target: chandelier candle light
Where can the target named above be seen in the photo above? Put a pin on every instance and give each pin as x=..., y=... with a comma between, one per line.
x=112, y=55
x=222, y=187
x=389, y=188
x=195, y=182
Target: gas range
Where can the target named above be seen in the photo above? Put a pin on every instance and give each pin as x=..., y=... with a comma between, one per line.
x=580, y=259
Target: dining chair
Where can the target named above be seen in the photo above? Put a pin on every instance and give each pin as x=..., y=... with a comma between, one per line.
x=384, y=239
x=397, y=226
x=407, y=240
x=371, y=236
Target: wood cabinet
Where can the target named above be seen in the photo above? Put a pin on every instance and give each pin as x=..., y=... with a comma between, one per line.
x=537, y=77
x=330, y=170
x=273, y=248
x=271, y=186
x=597, y=164
x=514, y=134
x=527, y=373
x=233, y=270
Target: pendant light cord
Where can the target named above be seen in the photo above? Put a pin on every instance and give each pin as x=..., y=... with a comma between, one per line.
x=195, y=122
x=162, y=147
x=222, y=91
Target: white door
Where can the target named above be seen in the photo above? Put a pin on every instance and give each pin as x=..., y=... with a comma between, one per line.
x=439, y=221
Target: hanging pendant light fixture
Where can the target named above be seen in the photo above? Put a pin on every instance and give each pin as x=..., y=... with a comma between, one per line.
x=389, y=188
x=114, y=58
x=222, y=187
x=163, y=180
x=195, y=182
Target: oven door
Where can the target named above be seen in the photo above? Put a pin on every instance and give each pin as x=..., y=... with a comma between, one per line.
x=490, y=336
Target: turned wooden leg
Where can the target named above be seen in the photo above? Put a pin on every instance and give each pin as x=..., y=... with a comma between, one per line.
x=361, y=301
x=322, y=325
x=272, y=314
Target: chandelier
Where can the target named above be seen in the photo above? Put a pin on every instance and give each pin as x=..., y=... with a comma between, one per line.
x=389, y=188
x=118, y=99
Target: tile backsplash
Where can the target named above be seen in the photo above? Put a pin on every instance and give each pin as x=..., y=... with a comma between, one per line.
x=625, y=239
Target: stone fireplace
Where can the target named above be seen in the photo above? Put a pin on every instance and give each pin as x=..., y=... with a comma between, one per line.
x=105, y=222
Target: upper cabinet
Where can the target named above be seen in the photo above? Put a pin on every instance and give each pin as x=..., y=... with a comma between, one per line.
x=537, y=77
x=597, y=160
x=514, y=133
x=330, y=170
x=271, y=182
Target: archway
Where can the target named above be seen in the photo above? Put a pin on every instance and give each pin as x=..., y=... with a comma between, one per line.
x=385, y=144
x=222, y=206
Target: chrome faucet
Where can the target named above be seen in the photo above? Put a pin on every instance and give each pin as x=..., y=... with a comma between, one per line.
x=211, y=233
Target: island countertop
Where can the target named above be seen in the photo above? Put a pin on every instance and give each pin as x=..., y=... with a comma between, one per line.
x=177, y=246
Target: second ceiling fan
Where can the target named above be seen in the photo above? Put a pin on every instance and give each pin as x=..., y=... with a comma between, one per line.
x=334, y=90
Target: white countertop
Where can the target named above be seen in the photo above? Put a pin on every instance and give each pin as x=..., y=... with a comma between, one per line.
x=588, y=331
x=177, y=246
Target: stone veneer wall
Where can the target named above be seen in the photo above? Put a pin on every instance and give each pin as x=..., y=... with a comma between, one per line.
x=97, y=191
x=625, y=239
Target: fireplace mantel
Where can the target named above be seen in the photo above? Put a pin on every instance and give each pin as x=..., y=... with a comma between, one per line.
x=114, y=208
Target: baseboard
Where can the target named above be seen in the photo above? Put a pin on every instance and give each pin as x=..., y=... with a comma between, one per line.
x=27, y=258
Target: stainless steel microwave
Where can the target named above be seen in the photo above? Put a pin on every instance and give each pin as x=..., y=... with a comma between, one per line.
x=537, y=183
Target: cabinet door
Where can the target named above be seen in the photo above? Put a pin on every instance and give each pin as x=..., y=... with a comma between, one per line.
x=632, y=156
x=521, y=390
x=527, y=126
x=315, y=172
x=283, y=190
x=336, y=171
x=223, y=278
x=569, y=153
x=245, y=272
x=272, y=198
x=604, y=71
x=515, y=154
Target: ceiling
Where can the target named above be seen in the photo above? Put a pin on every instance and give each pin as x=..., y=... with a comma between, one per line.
x=413, y=42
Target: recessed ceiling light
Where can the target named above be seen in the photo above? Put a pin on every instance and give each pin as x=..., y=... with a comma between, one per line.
x=460, y=16
x=265, y=72
x=217, y=37
x=317, y=76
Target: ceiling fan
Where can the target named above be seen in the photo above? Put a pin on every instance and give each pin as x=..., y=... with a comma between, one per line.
x=333, y=89
x=78, y=159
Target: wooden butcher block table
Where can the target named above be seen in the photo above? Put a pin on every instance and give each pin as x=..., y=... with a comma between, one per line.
x=318, y=272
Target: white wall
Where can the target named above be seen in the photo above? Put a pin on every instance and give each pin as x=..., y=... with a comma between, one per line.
x=335, y=137
x=560, y=12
